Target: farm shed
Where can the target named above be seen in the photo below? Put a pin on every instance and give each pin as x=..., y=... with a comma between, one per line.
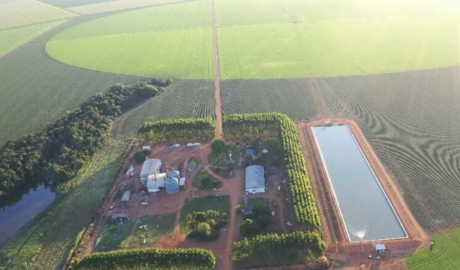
x=126, y=196
x=254, y=179
x=155, y=182
x=192, y=166
x=182, y=181
x=150, y=166
x=174, y=173
x=172, y=185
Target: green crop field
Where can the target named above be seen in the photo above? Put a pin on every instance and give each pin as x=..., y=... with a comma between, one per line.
x=26, y=12
x=142, y=45
x=73, y=3
x=444, y=255
x=261, y=39
x=337, y=48
x=12, y=38
x=183, y=99
x=36, y=90
x=46, y=242
x=10, y=18
x=412, y=120
x=116, y=5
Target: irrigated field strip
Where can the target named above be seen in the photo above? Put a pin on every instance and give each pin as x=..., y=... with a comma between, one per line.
x=412, y=120
x=117, y=5
x=162, y=42
x=10, y=39
x=27, y=12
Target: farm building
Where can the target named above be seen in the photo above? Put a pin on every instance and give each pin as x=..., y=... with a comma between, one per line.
x=174, y=173
x=172, y=185
x=150, y=166
x=126, y=196
x=254, y=179
x=155, y=182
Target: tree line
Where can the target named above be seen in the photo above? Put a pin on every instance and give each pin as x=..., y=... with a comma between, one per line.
x=173, y=131
x=304, y=203
x=55, y=154
x=150, y=258
x=278, y=249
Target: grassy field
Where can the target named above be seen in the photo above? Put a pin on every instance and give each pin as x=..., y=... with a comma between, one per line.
x=27, y=12
x=46, y=241
x=152, y=51
x=12, y=38
x=197, y=183
x=203, y=204
x=111, y=6
x=133, y=233
x=443, y=256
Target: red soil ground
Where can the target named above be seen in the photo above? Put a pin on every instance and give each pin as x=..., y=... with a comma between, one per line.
x=162, y=203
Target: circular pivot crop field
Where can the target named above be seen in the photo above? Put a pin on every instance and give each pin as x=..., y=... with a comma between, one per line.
x=176, y=41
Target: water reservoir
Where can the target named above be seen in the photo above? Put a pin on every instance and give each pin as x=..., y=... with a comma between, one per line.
x=363, y=204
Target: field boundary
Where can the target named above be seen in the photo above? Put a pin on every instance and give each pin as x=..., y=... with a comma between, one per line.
x=217, y=73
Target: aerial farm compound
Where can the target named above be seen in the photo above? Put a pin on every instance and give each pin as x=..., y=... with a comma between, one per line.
x=364, y=219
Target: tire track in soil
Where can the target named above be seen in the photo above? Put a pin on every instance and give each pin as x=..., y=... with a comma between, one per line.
x=217, y=74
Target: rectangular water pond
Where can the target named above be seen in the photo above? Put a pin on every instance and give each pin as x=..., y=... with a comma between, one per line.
x=363, y=204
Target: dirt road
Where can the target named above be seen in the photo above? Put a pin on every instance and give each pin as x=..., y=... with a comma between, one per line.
x=217, y=74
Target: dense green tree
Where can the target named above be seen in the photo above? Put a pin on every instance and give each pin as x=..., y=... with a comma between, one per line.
x=54, y=155
x=139, y=157
x=249, y=228
x=218, y=146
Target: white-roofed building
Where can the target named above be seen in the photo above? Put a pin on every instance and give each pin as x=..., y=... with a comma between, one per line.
x=155, y=182
x=255, y=179
x=150, y=166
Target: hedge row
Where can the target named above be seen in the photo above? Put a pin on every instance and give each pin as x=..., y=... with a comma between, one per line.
x=303, y=200
x=173, y=131
x=152, y=258
x=278, y=249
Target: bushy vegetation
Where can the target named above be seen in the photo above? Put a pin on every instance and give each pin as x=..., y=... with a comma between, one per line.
x=177, y=131
x=216, y=203
x=256, y=221
x=154, y=258
x=58, y=152
x=206, y=225
x=278, y=249
x=205, y=181
x=247, y=126
x=48, y=240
